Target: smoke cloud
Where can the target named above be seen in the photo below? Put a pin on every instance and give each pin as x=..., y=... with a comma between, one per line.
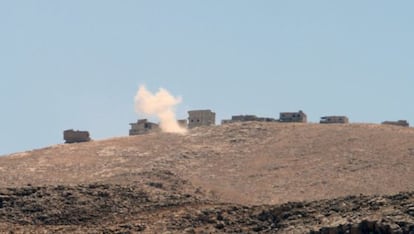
x=161, y=105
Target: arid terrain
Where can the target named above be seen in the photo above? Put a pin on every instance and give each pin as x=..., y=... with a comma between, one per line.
x=241, y=177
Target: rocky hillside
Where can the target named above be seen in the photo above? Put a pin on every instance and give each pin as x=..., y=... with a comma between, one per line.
x=248, y=163
x=196, y=180
x=106, y=208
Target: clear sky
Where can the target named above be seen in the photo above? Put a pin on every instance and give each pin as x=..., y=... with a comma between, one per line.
x=78, y=64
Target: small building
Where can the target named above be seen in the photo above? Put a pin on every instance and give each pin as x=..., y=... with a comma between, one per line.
x=246, y=118
x=197, y=118
x=182, y=123
x=243, y=118
x=299, y=116
x=142, y=126
x=334, y=120
x=71, y=136
x=402, y=123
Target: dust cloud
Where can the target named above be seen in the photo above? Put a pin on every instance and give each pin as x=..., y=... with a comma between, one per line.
x=161, y=105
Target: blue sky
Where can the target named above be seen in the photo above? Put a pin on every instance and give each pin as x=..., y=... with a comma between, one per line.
x=78, y=64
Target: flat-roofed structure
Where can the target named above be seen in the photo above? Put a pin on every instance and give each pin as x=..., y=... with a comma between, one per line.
x=334, y=119
x=183, y=123
x=402, y=123
x=246, y=118
x=288, y=117
x=197, y=118
x=71, y=136
x=142, y=126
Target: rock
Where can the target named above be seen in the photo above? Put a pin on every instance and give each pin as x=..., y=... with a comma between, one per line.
x=110, y=208
x=189, y=231
x=219, y=225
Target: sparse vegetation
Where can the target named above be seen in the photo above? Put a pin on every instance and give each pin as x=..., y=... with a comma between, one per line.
x=239, y=177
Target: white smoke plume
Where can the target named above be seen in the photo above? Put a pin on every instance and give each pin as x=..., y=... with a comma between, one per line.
x=161, y=105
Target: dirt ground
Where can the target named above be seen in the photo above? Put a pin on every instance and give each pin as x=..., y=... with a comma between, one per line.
x=240, y=177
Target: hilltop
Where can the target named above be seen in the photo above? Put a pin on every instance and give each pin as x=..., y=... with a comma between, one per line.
x=249, y=163
x=252, y=167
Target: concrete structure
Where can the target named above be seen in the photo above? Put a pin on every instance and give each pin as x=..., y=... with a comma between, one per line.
x=142, y=126
x=245, y=118
x=334, y=120
x=71, y=136
x=299, y=116
x=197, y=118
x=402, y=123
x=183, y=123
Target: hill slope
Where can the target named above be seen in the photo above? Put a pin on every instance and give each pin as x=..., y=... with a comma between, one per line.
x=247, y=163
x=105, y=208
x=242, y=177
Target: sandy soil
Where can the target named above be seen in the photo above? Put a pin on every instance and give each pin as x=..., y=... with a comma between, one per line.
x=248, y=163
x=244, y=164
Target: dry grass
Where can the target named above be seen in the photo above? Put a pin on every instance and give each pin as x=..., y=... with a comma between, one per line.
x=247, y=163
